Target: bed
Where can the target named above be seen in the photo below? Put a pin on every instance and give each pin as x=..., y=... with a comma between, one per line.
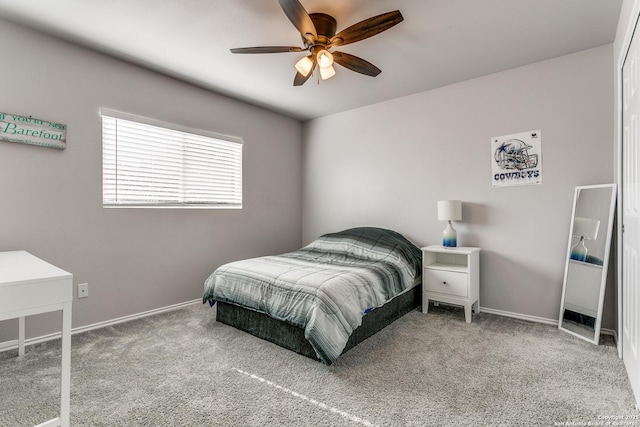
x=324, y=298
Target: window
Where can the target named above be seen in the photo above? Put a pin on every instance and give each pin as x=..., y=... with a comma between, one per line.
x=147, y=163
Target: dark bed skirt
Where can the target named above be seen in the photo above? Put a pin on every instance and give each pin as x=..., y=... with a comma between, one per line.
x=292, y=337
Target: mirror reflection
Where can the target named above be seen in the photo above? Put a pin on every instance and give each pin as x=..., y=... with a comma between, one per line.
x=586, y=266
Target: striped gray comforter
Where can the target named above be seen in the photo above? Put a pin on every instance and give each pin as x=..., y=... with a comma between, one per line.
x=325, y=287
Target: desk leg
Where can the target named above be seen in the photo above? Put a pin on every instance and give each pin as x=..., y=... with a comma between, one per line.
x=21, y=336
x=65, y=388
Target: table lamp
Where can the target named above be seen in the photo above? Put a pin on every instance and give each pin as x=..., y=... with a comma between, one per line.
x=449, y=210
x=584, y=228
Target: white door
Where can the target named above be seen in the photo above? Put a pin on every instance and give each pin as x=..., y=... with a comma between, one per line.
x=631, y=214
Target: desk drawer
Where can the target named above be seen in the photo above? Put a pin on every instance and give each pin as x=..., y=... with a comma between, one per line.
x=37, y=293
x=445, y=282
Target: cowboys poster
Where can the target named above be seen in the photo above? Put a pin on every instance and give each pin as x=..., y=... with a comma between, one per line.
x=516, y=159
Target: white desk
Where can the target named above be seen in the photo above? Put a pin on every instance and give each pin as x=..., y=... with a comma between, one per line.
x=29, y=285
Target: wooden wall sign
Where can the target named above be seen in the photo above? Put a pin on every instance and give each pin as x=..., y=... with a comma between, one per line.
x=27, y=130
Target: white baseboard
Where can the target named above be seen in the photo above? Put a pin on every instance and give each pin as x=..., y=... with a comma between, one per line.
x=611, y=332
x=13, y=344
x=537, y=319
x=519, y=316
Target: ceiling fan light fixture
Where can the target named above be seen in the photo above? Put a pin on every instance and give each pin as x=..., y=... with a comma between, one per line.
x=327, y=72
x=305, y=65
x=325, y=59
x=318, y=31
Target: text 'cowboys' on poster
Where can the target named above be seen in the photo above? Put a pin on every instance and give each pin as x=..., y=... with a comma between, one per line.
x=516, y=159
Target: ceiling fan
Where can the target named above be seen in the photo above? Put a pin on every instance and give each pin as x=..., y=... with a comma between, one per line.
x=318, y=31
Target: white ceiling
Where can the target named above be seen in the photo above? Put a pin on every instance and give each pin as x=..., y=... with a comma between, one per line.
x=440, y=42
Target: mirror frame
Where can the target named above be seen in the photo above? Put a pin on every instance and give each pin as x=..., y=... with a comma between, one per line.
x=605, y=265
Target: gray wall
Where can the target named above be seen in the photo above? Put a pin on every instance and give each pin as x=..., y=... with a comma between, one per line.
x=133, y=259
x=387, y=166
x=389, y=163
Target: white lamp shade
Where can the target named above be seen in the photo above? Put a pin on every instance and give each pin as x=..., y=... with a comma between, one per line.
x=327, y=72
x=304, y=66
x=586, y=227
x=449, y=210
x=325, y=59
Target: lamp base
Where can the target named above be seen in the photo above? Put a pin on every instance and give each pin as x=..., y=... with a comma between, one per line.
x=449, y=236
x=579, y=251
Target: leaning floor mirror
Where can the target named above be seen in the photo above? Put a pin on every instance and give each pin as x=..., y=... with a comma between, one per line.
x=587, y=260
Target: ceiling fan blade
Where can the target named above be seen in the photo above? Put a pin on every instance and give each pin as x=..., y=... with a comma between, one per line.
x=299, y=18
x=300, y=79
x=367, y=28
x=356, y=64
x=267, y=49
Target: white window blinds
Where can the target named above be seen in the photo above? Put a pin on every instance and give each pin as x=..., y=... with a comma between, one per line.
x=151, y=163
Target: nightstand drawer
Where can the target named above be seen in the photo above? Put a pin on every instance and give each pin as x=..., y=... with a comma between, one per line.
x=445, y=282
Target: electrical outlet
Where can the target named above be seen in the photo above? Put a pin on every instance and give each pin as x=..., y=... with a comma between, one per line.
x=83, y=290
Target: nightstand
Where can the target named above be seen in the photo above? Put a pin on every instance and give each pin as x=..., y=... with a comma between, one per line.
x=451, y=275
